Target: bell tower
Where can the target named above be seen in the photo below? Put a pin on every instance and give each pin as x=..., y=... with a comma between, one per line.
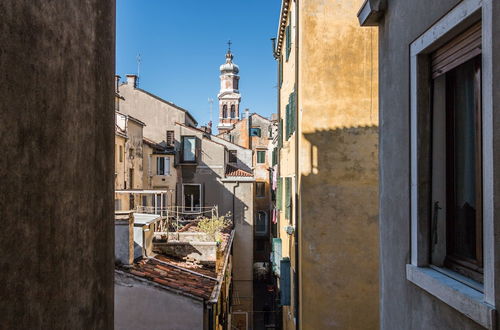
x=229, y=95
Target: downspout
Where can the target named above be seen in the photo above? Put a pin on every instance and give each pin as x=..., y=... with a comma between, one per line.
x=297, y=217
x=234, y=196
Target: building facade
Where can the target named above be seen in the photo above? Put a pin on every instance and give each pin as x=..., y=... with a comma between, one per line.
x=325, y=254
x=439, y=158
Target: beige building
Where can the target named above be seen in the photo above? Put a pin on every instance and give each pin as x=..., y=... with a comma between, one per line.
x=326, y=252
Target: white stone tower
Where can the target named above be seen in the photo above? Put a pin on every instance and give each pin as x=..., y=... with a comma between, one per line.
x=229, y=95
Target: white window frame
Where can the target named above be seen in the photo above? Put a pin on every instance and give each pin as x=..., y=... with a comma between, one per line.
x=166, y=169
x=477, y=305
x=194, y=210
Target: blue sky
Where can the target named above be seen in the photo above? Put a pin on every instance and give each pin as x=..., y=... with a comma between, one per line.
x=183, y=43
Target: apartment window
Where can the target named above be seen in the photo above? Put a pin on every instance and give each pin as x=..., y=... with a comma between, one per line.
x=260, y=189
x=261, y=156
x=192, y=197
x=118, y=204
x=233, y=111
x=188, y=149
x=456, y=226
x=131, y=178
x=255, y=131
x=233, y=156
x=144, y=201
x=163, y=166
x=261, y=223
x=170, y=138
x=447, y=172
x=121, y=154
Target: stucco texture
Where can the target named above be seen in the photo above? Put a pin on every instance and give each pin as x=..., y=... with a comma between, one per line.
x=403, y=305
x=56, y=191
x=337, y=167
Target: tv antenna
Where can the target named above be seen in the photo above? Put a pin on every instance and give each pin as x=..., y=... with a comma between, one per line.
x=211, y=102
x=138, y=58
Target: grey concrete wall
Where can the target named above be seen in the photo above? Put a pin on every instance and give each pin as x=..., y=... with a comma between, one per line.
x=403, y=305
x=56, y=172
x=139, y=305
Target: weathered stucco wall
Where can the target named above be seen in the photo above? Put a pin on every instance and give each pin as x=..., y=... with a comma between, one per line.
x=143, y=305
x=56, y=191
x=403, y=305
x=338, y=196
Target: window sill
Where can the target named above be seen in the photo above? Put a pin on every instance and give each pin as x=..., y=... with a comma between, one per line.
x=461, y=297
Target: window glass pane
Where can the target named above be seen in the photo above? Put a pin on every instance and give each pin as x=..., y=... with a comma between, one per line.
x=261, y=157
x=189, y=148
x=167, y=166
x=192, y=197
x=463, y=163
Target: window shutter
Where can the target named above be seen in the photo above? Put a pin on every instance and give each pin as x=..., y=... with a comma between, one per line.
x=279, y=194
x=276, y=255
x=288, y=198
x=280, y=134
x=458, y=51
x=167, y=166
x=285, y=282
x=159, y=163
x=281, y=71
x=288, y=121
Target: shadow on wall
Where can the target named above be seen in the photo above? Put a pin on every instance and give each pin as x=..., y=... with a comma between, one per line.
x=339, y=206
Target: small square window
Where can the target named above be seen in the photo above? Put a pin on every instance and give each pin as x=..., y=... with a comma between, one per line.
x=261, y=157
x=233, y=156
x=255, y=131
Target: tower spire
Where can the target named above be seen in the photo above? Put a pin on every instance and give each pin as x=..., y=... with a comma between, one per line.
x=229, y=43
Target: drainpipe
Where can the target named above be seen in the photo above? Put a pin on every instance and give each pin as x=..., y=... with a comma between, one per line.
x=234, y=196
x=297, y=139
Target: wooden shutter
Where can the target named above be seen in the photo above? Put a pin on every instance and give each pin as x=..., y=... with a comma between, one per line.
x=458, y=51
x=280, y=134
x=288, y=41
x=288, y=198
x=285, y=282
x=279, y=194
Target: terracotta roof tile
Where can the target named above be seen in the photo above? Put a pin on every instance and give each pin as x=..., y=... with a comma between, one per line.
x=173, y=276
x=234, y=171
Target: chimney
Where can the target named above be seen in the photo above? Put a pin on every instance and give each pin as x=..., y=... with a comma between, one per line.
x=132, y=80
x=247, y=113
x=124, y=237
x=117, y=83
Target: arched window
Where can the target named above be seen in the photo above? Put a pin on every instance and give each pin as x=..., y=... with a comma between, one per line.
x=224, y=111
x=233, y=111
x=261, y=223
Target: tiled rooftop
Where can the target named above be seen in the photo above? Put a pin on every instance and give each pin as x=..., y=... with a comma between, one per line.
x=171, y=274
x=234, y=171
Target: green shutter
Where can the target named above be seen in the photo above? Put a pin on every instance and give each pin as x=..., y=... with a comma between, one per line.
x=275, y=156
x=280, y=134
x=288, y=121
x=279, y=194
x=288, y=198
x=285, y=282
x=281, y=71
x=294, y=112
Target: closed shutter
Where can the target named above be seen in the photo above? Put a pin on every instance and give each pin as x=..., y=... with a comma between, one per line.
x=281, y=71
x=279, y=194
x=288, y=41
x=285, y=282
x=287, y=121
x=288, y=198
x=280, y=134
x=458, y=51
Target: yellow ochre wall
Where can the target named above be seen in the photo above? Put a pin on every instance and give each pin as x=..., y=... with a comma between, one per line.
x=338, y=166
